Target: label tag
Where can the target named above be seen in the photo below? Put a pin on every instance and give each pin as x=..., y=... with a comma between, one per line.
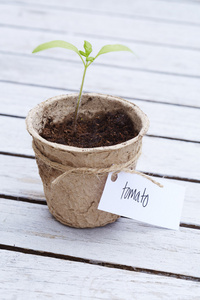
x=136, y=197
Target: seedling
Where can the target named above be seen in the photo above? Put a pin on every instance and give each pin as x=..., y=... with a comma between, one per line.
x=85, y=57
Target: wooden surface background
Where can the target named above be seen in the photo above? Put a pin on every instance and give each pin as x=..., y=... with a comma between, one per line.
x=43, y=259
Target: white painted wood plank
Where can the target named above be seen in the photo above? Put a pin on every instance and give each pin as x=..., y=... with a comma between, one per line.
x=100, y=78
x=170, y=157
x=165, y=120
x=191, y=205
x=14, y=136
x=118, y=28
x=19, y=178
x=160, y=156
x=34, y=277
x=162, y=11
x=124, y=242
x=18, y=99
x=149, y=57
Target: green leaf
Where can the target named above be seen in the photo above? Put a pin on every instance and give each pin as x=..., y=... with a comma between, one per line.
x=82, y=53
x=57, y=43
x=90, y=58
x=112, y=48
x=88, y=48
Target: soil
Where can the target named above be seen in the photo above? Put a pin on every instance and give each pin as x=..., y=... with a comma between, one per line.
x=103, y=130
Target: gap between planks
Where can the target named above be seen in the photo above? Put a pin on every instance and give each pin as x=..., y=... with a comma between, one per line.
x=169, y=60
x=86, y=91
x=43, y=202
x=42, y=57
x=132, y=243
x=100, y=37
x=109, y=13
x=149, y=135
x=147, y=173
x=139, y=84
x=97, y=263
x=15, y=12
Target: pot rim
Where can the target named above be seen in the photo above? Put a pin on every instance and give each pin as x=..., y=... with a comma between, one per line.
x=35, y=134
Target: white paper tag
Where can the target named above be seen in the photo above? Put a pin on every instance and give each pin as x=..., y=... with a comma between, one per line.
x=136, y=197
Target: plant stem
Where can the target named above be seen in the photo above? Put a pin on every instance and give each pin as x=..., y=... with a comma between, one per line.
x=79, y=98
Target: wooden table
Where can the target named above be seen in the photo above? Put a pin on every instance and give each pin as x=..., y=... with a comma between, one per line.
x=43, y=259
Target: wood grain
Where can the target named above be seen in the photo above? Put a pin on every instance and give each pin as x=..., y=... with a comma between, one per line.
x=38, y=277
x=165, y=120
x=150, y=58
x=143, y=30
x=124, y=242
x=169, y=161
x=127, y=83
x=161, y=11
x=20, y=179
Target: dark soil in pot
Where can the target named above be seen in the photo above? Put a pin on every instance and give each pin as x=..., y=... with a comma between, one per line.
x=102, y=130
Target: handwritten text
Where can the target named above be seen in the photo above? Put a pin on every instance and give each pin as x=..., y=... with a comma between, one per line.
x=128, y=193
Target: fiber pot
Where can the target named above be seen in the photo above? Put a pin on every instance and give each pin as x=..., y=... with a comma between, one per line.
x=74, y=198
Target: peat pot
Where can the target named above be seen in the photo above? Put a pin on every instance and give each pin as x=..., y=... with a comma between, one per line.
x=73, y=197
